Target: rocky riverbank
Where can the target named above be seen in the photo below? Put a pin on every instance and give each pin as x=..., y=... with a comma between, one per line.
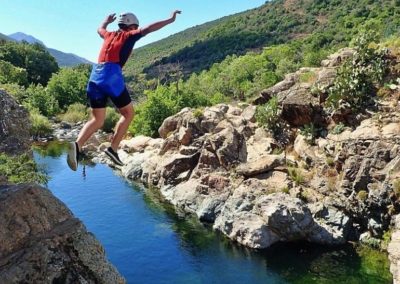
x=258, y=188
x=40, y=240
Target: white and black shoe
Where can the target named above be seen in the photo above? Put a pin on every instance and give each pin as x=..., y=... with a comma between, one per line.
x=73, y=155
x=113, y=156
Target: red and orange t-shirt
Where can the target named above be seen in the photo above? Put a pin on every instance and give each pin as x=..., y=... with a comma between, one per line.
x=118, y=45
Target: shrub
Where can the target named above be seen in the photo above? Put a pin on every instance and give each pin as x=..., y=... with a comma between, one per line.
x=76, y=112
x=11, y=74
x=339, y=128
x=41, y=126
x=268, y=115
x=39, y=99
x=198, y=112
x=310, y=132
x=112, y=117
x=356, y=79
x=68, y=86
x=21, y=169
x=295, y=175
x=362, y=195
x=16, y=91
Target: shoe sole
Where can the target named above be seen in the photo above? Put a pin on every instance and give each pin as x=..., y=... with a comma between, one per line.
x=111, y=156
x=71, y=157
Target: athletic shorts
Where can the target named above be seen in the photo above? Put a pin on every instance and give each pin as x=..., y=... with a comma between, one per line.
x=106, y=81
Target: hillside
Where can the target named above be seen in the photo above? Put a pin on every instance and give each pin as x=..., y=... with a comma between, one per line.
x=63, y=59
x=4, y=37
x=330, y=22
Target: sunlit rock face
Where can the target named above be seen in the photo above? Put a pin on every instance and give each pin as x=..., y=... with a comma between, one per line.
x=42, y=242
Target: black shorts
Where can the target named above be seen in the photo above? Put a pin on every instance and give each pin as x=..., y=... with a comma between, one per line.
x=101, y=101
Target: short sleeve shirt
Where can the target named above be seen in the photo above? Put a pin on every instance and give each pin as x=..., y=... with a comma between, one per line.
x=118, y=45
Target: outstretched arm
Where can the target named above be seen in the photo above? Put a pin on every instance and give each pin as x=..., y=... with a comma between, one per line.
x=158, y=25
x=103, y=27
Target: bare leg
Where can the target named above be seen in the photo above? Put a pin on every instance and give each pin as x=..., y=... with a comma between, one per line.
x=127, y=114
x=95, y=123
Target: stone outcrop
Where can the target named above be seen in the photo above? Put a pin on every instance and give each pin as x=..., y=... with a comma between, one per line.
x=15, y=126
x=42, y=242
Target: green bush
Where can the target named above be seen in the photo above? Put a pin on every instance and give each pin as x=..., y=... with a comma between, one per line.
x=34, y=58
x=21, y=169
x=112, y=117
x=310, y=132
x=296, y=176
x=268, y=115
x=76, y=112
x=357, y=78
x=41, y=126
x=38, y=98
x=16, y=91
x=11, y=74
x=68, y=86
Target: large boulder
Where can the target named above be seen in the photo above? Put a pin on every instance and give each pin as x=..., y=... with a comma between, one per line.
x=14, y=126
x=257, y=218
x=42, y=242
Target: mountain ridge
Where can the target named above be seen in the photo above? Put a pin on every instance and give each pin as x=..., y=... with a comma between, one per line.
x=63, y=59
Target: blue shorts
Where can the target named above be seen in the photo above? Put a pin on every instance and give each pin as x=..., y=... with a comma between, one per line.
x=106, y=81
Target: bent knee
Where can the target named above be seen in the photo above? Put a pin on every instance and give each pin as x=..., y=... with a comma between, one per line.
x=128, y=113
x=97, y=123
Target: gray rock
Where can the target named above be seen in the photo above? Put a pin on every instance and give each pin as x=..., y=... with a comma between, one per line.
x=41, y=241
x=15, y=126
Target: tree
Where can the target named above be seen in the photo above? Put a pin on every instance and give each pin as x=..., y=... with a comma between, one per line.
x=34, y=58
x=68, y=86
x=10, y=74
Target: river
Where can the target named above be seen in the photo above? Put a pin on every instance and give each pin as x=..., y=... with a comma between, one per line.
x=149, y=243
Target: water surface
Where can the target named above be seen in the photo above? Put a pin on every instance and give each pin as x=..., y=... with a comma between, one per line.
x=149, y=243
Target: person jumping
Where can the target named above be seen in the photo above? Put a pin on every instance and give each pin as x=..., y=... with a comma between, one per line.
x=106, y=81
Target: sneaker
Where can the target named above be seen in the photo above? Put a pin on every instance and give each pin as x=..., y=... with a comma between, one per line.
x=73, y=154
x=114, y=156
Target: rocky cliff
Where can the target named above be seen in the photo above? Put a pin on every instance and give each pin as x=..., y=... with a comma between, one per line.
x=14, y=126
x=42, y=242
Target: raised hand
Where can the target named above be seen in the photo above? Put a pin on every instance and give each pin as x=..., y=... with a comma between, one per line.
x=173, y=15
x=110, y=18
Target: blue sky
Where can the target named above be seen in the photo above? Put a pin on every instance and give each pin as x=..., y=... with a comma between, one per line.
x=70, y=25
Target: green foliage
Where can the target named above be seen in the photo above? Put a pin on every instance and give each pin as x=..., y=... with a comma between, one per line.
x=38, y=98
x=112, y=117
x=161, y=103
x=198, y=112
x=41, y=126
x=374, y=262
x=295, y=175
x=33, y=58
x=68, y=86
x=268, y=115
x=356, y=79
x=339, y=128
x=16, y=91
x=310, y=132
x=11, y=74
x=21, y=169
x=321, y=25
x=76, y=112
x=362, y=195
x=330, y=161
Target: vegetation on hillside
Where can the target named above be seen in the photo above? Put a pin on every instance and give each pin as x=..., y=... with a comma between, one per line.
x=332, y=23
